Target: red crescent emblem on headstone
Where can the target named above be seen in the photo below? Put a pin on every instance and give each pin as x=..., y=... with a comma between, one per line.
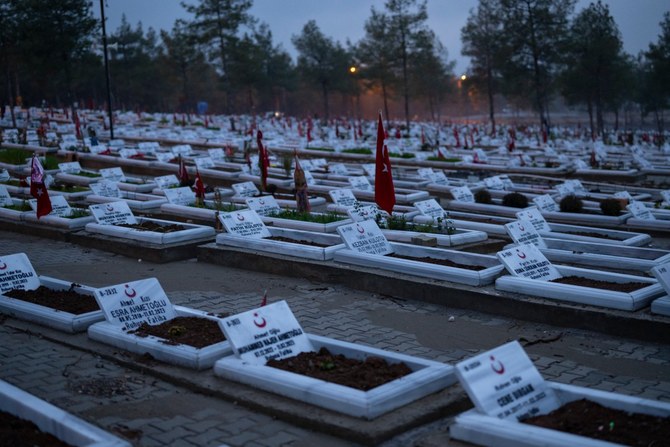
x=3, y=266
x=130, y=293
x=240, y=217
x=521, y=254
x=364, y=213
x=262, y=323
x=522, y=228
x=498, y=368
x=261, y=201
x=360, y=229
x=110, y=207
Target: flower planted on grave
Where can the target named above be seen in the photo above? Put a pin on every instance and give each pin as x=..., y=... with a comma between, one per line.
x=515, y=200
x=483, y=196
x=611, y=207
x=571, y=204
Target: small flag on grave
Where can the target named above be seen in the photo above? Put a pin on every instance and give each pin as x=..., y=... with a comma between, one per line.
x=199, y=187
x=183, y=173
x=384, y=190
x=38, y=189
x=263, y=160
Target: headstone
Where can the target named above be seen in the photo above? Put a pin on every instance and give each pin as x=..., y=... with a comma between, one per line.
x=662, y=274
x=524, y=232
x=128, y=153
x=364, y=212
x=59, y=206
x=577, y=187
x=440, y=179
x=180, y=196
x=4, y=175
x=318, y=163
x=264, y=205
x=113, y=174
x=546, y=203
x=5, y=198
x=181, y=149
x=640, y=211
x=166, y=181
x=148, y=147
x=481, y=155
x=665, y=194
x=360, y=183
x=462, y=194
x=245, y=189
x=16, y=272
x=128, y=305
x=504, y=383
x=365, y=237
x=426, y=173
x=216, y=154
x=72, y=167
x=533, y=215
x=97, y=148
x=343, y=197
x=580, y=164
x=623, y=195
x=113, y=213
x=565, y=189
x=430, y=208
x=527, y=261
x=105, y=188
x=204, y=162
x=494, y=182
x=269, y=332
x=370, y=169
x=338, y=169
x=164, y=157
x=244, y=223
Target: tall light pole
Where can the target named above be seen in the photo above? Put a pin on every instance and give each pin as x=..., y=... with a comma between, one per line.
x=109, y=93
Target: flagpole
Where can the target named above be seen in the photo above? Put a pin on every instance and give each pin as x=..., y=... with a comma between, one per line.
x=109, y=93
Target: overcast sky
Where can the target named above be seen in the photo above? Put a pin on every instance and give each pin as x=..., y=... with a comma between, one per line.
x=638, y=20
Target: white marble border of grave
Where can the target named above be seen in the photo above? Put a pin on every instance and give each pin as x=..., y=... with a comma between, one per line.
x=191, y=232
x=482, y=429
x=256, y=179
x=402, y=195
x=130, y=184
x=286, y=248
x=51, y=419
x=284, y=203
x=182, y=355
x=47, y=316
x=661, y=306
x=196, y=212
x=57, y=221
x=135, y=201
x=426, y=378
x=585, y=295
x=293, y=224
x=417, y=268
x=607, y=172
x=460, y=237
x=661, y=222
x=14, y=215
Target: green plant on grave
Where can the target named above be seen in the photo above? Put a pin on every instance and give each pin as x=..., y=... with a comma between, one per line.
x=611, y=207
x=14, y=156
x=571, y=204
x=515, y=200
x=360, y=150
x=306, y=217
x=327, y=365
x=78, y=212
x=176, y=331
x=483, y=196
x=445, y=225
x=23, y=206
x=444, y=160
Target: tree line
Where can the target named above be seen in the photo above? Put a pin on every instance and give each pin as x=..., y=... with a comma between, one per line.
x=529, y=53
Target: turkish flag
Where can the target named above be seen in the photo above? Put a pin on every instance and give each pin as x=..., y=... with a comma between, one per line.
x=263, y=160
x=37, y=188
x=199, y=185
x=183, y=173
x=384, y=190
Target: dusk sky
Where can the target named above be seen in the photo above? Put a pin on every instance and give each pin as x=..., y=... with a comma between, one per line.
x=638, y=20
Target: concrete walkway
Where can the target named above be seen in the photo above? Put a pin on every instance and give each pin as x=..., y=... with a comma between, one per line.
x=152, y=404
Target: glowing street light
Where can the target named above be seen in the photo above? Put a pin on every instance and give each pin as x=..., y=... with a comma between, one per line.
x=463, y=77
x=353, y=69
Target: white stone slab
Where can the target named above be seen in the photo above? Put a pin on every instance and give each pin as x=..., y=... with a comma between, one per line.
x=427, y=377
x=460, y=237
x=59, y=222
x=191, y=233
x=51, y=419
x=304, y=225
x=136, y=201
x=661, y=306
x=334, y=243
x=586, y=295
x=47, y=316
x=427, y=270
x=481, y=429
x=182, y=355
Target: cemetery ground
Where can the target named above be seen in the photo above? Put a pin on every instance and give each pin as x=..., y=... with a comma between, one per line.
x=151, y=403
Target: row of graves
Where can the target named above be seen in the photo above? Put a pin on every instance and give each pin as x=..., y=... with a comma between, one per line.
x=266, y=348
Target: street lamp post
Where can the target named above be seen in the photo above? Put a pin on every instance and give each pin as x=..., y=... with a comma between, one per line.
x=109, y=93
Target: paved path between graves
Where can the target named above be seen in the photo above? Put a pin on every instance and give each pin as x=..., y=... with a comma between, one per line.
x=150, y=410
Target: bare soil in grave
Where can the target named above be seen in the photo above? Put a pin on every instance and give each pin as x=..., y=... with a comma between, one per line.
x=63, y=300
x=444, y=262
x=587, y=418
x=192, y=331
x=17, y=432
x=148, y=225
x=605, y=285
x=296, y=241
x=361, y=375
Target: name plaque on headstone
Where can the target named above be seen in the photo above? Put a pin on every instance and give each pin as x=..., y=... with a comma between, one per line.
x=4, y=175
x=662, y=274
x=181, y=149
x=130, y=304
x=113, y=213
x=524, y=232
x=166, y=181
x=72, y=167
x=545, y=203
x=128, y=153
x=527, y=261
x=164, y=157
x=216, y=154
x=623, y=195
x=494, y=182
x=430, y=208
x=364, y=212
x=113, y=174
x=204, y=162
x=462, y=194
x=365, y=237
x=244, y=223
x=264, y=205
x=361, y=183
x=343, y=197
x=245, y=189
x=533, y=215
x=504, y=383
x=5, y=198
x=640, y=211
x=565, y=189
x=269, y=332
x=105, y=188
x=59, y=206
x=665, y=194
x=180, y=196
x=338, y=169
x=16, y=272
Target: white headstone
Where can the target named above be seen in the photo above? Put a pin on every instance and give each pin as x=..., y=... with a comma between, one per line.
x=577, y=187
x=338, y=169
x=524, y=232
x=113, y=174
x=360, y=183
x=364, y=212
x=527, y=261
x=128, y=305
x=4, y=175
x=666, y=196
x=166, y=181
x=365, y=237
x=546, y=203
x=504, y=383
x=565, y=189
x=216, y=154
x=623, y=195
x=105, y=188
x=204, y=162
x=494, y=182
x=343, y=197
x=181, y=149
x=16, y=272
x=662, y=274
x=72, y=167
x=164, y=157
x=440, y=179
x=430, y=208
x=267, y=333
x=59, y=206
x=640, y=211
x=245, y=223
x=113, y=213
x=264, y=205
x=533, y=215
x=462, y=194
x=180, y=196
x=245, y=189
x=98, y=148
x=5, y=198
x=370, y=169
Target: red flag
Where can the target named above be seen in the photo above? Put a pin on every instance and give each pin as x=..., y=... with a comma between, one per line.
x=37, y=188
x=301, y=195
x=458, y=140
x=183, y=173
x=77, y=124
x=384, y=190
x=265, y=298
x=199, y=186
x=263, y=160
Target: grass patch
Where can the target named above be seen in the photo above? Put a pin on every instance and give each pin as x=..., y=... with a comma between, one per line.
x=359, y=150
x=446, y=160
x=403, y=155
x=307, y=217
x=324, y=149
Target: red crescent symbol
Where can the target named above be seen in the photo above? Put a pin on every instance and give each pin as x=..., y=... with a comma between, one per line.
x=110, y=207
x=360, y=229
x=521, y=254
x=262, y=323
x=132, y=294
x=498, y=370
x=522, y=228
x=364, y=213
x=3, y=266
x=240, y=217
x=261, y=201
